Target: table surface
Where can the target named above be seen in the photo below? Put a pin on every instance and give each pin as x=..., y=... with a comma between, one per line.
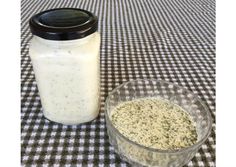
x=166, y=39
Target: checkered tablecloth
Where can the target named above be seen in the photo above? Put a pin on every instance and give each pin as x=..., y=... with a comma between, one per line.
x=172, y=40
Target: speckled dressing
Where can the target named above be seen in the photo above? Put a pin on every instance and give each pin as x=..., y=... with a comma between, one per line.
x=68, y=78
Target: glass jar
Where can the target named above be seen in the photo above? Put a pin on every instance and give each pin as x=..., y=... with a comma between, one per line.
x=65, y=55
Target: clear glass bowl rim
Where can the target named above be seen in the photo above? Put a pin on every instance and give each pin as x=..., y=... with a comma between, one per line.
x=194, y=146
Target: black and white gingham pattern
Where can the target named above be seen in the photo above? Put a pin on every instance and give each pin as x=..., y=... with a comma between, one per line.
x=166, y=39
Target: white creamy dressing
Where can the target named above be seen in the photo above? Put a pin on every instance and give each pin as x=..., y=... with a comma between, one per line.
x=68, y=78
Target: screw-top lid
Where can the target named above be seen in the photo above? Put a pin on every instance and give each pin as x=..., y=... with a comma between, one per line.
x=63, y=24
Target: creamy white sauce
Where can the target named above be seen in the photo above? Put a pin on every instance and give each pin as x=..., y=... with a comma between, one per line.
x=68, y=78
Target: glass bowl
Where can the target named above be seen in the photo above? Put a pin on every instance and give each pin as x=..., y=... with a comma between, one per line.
x=139, y=155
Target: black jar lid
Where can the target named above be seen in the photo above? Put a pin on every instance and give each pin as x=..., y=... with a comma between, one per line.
x=63, y=24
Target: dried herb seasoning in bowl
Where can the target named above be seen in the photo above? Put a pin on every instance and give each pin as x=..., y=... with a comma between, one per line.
x=156, y=123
